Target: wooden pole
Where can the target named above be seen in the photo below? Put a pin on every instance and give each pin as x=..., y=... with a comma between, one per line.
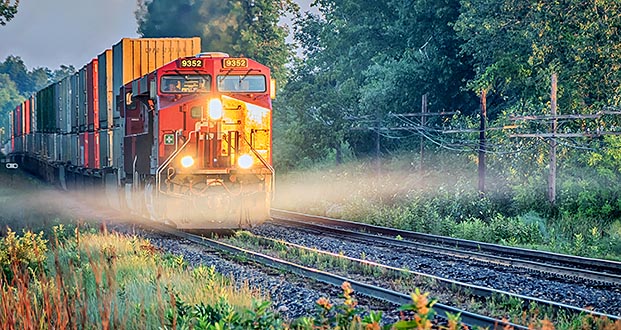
x=482, y=142
x=552, y=174
x=422, y=123
x=378, y=124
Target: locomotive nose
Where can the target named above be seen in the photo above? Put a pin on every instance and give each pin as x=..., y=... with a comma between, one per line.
x=215, y=109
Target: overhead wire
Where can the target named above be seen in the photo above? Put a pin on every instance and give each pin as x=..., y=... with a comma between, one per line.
x=434, y=135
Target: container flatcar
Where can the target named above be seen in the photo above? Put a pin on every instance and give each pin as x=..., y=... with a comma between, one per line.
x=163, y=130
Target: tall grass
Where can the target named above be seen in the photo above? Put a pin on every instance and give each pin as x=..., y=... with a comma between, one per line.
x=103, y=281
x=445, y=201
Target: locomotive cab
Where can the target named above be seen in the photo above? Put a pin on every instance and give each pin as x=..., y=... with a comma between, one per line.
x=198, y=142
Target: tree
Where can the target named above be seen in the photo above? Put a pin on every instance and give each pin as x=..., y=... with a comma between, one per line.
x=423, y=58
x=26, y=82
x=9, y=99
x=516, y=46
x=210, y=20
x=365, y=59
x=62, y=72
x=7, y=10
x=242, y=27
x=322, y=96
x=17, y=83
x=260, y=35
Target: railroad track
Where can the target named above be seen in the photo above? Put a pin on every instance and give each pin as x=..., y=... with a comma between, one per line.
x=110, y=216
x=387, y=239
x=390, y=296
x=384, y=294
x=586, y=268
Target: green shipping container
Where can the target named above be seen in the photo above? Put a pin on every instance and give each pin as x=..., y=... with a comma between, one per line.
x=104, y=88
x=46, y=113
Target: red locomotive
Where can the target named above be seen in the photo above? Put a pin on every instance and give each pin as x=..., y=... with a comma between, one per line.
x=187, y=142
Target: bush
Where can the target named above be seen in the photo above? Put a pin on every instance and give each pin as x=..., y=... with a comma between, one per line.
x=18, y=254
x=515, y=230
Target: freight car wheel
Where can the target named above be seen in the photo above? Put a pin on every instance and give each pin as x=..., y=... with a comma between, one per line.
x=153, y=206
x=112, y=191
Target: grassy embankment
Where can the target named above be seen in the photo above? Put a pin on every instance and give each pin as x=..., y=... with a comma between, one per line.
x=61, y=273
x=58, y=274
x=444, y=201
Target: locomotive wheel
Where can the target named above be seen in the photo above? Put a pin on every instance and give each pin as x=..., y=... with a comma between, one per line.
x=153, y=207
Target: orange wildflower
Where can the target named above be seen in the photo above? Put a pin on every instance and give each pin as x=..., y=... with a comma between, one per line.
x=324, y=303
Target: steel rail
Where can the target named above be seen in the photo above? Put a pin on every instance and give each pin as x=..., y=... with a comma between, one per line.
x=453, y=284
x=600, y=270
x=398, y=298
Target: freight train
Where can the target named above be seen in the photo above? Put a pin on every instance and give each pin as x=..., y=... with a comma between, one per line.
x=160, y=129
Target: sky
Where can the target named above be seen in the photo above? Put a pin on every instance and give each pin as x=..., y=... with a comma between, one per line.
x=47, y=33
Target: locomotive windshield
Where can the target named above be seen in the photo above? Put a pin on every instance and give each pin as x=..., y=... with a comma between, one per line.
x=185, y=84
x=241, y=83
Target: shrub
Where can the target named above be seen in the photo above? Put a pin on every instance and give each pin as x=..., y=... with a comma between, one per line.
x=515, y=230
x=19, y=254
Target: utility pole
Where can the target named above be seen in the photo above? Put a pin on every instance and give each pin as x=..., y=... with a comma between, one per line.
x=554, y=134
x=482, y=143
x=422, y=123
x=552, y=174
x=378, y=125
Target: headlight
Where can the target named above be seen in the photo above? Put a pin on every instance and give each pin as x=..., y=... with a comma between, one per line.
x=215, y=109
x=187, y=161
x=245, y=161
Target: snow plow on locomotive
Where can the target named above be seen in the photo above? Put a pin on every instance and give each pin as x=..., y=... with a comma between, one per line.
x=165, y=133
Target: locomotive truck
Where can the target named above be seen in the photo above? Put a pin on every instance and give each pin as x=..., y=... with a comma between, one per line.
x=161, y=129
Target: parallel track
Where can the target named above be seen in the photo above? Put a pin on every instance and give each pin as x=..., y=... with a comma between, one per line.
x=468, y=318
x=453, y=285
x=597, y=269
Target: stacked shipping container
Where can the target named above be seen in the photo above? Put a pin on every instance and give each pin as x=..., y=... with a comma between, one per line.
x=75, y=121
x=106, y=106
x=134, y=58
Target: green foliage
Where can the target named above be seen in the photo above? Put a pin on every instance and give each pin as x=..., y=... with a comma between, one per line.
x=17, y=83
x=508, y=231
x=9, y=99
x=423, y=312
x=363, y=62
x=22, y=253
x=345, y=315
x=240, y=28
x=8, y=9
x=211, y=20
x=219, y=315
x=516, y=45
x=262, y=38
x=175, y=261
x=27, y=82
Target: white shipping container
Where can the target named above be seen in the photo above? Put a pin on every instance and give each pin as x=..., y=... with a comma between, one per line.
x=82, y=105
x=57, y=104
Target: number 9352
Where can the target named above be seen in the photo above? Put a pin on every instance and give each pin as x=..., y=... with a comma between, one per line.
x=191, y=63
